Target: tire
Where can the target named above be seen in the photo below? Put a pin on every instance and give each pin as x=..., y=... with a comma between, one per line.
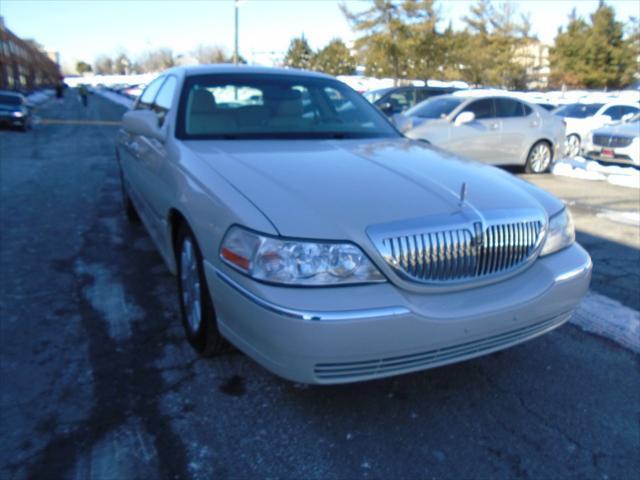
x=539, y=158
x=26, y=126
x=130, y=211
x=572, y=145
x=196, y=307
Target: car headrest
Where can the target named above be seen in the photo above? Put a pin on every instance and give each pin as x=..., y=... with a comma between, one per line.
x=202, y=101
x=289, y=104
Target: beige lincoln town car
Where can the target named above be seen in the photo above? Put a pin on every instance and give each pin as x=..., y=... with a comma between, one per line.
x=304, y=229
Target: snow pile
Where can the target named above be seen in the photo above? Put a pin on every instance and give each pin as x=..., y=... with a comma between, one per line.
x=579, y=167
x=115, y=98
x=39, y=97
x=608, y=318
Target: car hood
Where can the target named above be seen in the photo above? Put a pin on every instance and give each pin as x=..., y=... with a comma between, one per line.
x=337, y=189
x=627, y=129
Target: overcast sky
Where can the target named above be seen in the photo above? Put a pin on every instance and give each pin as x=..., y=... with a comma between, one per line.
x=82, y=30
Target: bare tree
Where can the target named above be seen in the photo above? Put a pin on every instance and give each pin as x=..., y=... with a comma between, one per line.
x=210, y=54
x=156, y=60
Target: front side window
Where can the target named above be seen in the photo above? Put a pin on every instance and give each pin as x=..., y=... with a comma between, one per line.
x=401, y=100
x=614, y=112
x=164, y=98
x=230, y=106
x=149, y=94
x=481, y=108
x=579, y=110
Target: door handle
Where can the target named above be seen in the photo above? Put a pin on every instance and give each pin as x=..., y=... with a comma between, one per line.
x=494, y=126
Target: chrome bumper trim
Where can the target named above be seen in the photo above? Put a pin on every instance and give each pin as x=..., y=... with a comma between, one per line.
x=312, y=315
x=563, y=277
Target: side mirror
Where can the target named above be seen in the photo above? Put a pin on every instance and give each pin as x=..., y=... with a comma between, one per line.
x=465, y=117
x=625, y=118
x=142, y=122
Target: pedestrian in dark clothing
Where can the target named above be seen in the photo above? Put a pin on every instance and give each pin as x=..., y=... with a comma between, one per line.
x=59, y=90
x=84, y=95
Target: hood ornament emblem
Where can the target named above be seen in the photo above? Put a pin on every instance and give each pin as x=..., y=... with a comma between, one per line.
x=463, y=194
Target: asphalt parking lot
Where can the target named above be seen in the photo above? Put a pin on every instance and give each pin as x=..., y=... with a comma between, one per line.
x=98, y=382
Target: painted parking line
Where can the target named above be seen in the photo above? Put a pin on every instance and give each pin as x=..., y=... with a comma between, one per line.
x=59, y=121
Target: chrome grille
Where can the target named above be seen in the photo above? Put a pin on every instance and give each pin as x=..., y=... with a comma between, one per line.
x=458, y=255
x=612, y=140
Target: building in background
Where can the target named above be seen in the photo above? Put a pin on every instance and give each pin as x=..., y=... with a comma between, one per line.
x=535, y=58
x=24, y=65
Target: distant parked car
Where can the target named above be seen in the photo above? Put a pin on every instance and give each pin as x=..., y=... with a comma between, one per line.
x=14, y=111
x=395, y=100
x=581, y=118
x=493, y=129
x=619, y=143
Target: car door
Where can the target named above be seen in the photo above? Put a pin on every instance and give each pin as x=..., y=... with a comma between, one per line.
x=517, y=130
x=154, y=171
x=131, y=150
x=478, y=139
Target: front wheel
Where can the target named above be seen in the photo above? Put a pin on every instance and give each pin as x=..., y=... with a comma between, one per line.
x=196, y=306
x=539, y=158
x=572, y=145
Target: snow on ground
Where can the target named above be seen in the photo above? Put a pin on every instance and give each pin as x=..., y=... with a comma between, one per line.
x=115, y=97
x=608, y=318
x=40, y=96
x=585, y=169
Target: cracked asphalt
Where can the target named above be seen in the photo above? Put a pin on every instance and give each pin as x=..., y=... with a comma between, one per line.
x=97, y=381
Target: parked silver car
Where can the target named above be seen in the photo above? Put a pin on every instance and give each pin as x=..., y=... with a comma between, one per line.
x=494, y=129
x=308, y=232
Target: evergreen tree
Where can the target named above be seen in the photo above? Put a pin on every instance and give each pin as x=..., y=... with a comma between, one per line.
x=383, y=46
x=334, y=59
x=299, y=54
x=594, y=54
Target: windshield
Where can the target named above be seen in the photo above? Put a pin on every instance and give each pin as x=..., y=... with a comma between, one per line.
x=10, y=100
x=374, y=95
x=437, y=107
x=578, y=110
x=275, y=106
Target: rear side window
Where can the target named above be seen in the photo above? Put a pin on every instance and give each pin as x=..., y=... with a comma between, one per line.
x=506, y=107
x=481, y=108
x=149, y=94
x=164, y=98
x=527, y=109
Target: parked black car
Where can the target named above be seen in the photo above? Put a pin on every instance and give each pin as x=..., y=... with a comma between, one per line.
x=394, y=100
x=14, y=111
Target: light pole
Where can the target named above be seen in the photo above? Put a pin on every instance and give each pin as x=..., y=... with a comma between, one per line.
x=236, y=55
x=235, y=43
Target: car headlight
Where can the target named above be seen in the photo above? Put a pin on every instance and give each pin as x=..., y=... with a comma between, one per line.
x=18, y=114
x=296, y=262
x=560, y=234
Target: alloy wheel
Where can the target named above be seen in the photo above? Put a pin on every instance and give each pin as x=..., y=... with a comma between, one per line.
x=190, y=280
x=540, y=157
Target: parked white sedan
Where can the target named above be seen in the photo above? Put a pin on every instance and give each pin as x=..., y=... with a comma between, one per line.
x=582, y=118
x=308, y=232
x=492, y=128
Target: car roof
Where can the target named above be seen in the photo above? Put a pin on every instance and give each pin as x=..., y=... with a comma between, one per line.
x=226, y=68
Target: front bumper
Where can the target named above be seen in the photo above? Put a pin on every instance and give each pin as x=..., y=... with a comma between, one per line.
x=626, y=155
x=377, y=331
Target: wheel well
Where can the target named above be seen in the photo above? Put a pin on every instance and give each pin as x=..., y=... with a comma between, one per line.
x=176, y=220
